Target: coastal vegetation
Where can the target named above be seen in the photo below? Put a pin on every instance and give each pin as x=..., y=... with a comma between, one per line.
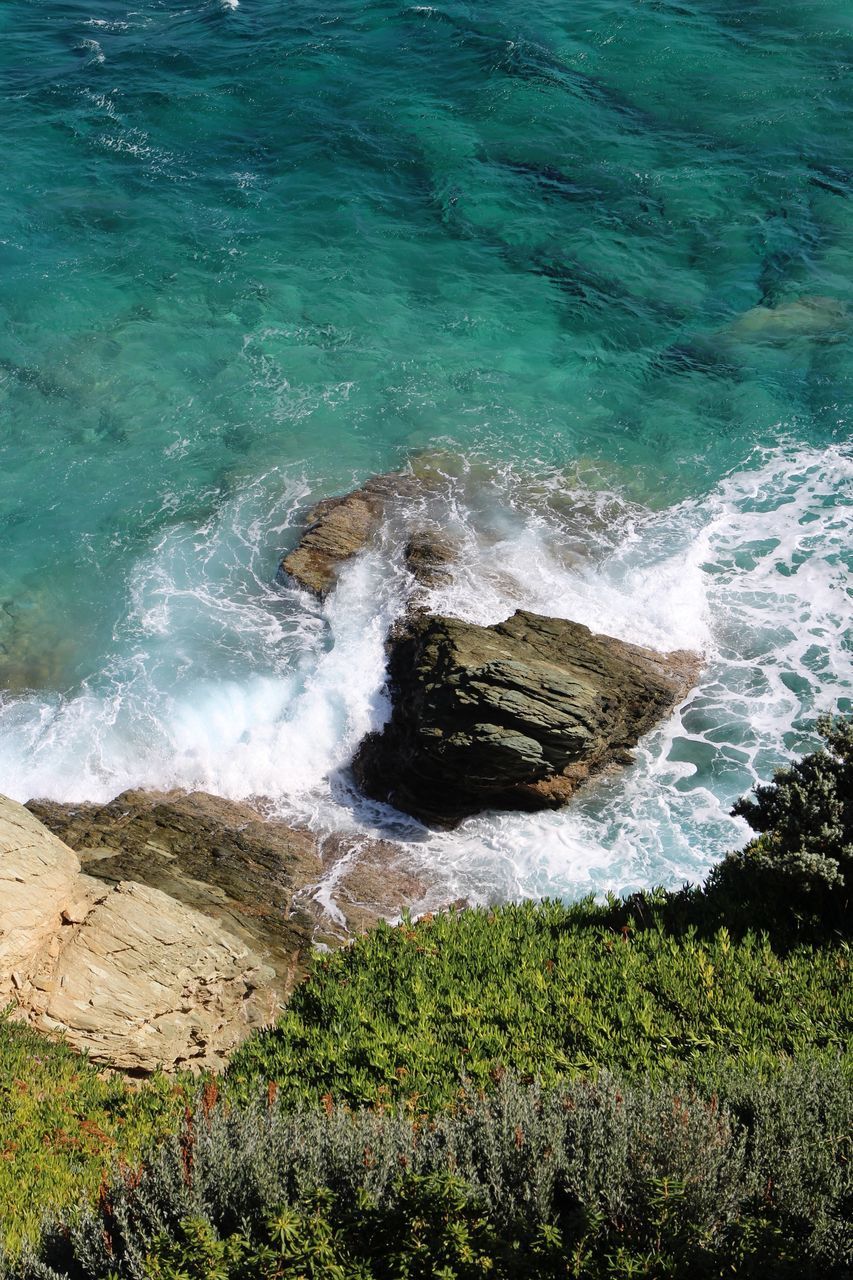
x=589, y=1090
x=62, y=1122
x=547, y=990
x=594, y=1178
x=797, y=874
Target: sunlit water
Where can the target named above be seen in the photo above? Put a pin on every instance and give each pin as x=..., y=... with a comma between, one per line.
x=594, y=259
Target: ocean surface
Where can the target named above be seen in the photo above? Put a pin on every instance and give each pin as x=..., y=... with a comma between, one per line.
x=592, y=260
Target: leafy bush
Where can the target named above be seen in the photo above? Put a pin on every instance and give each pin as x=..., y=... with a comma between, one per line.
x=61, y=1123
x=798, y=872
x=591, y=1180
x=544, y=990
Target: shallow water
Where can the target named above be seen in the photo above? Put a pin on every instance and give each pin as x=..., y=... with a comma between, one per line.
x=597, y=256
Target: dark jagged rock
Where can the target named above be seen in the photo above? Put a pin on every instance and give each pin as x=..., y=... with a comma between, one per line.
x=336, y=529
x=516, y=715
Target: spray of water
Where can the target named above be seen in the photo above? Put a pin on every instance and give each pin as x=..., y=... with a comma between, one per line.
x=220, y=678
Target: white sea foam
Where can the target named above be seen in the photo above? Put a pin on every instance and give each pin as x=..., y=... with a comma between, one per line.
x=106, y=24
x=223, y=680
x=93, y=48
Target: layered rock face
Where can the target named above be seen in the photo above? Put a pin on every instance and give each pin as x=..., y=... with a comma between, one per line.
x=511, y=716
x=176, y=923
x=38, y=880
x=123, y=971
x=214, y=856
x=279, y=888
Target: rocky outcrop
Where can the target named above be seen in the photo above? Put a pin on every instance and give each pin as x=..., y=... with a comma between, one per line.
x=516, y=715
x=141, y=981
x=122, y=971
x=276, y=887
x=38, y=879
x=176, y=923
x=336, y=529
x=214, y=856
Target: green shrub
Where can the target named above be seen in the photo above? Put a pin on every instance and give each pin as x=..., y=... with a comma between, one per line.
x=544, y=990
x=62, y=1122
x=798, y=872
x=594, y=1179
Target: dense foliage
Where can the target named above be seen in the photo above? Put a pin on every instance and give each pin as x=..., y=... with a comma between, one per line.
x=61, y=1123
x=592, y=1180
x=798, y=872
x=547, y=990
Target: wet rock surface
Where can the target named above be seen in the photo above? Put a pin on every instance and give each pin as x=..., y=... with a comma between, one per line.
x=364, y=881
x=429, y=555
x=338, y=528
x=513, y=716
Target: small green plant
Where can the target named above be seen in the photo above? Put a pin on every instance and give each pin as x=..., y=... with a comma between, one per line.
x=405, y=1015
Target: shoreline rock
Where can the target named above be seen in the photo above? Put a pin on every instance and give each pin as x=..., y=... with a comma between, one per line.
x=214, y=856
x=516, y=715
x=336, y=529
x=123, y=972
x=161, y=928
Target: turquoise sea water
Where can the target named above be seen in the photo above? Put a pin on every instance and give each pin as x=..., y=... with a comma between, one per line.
x=598, y=254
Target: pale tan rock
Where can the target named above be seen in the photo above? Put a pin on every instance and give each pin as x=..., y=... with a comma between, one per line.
x=37, y=878
x=215, y=856
x=146, y=980
x=124, y=971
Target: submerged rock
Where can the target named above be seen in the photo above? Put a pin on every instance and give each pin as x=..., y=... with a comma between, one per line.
x=36, y=649
x=516, y=715
x=337, y=529
x=819, y=318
